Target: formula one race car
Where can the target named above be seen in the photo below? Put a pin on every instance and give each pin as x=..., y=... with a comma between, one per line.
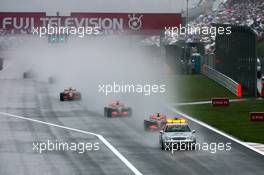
x=51, y=80
x=70, y=95
x=155, y=122
x=29, y=74
x=116, y=109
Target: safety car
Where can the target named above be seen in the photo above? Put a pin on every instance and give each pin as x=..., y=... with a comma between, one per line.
x=177, y=133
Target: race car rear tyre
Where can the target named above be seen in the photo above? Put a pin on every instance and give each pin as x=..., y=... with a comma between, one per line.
x=105, y=112
x=61, y=96
x=108, y=112
x=80, y=95
x=129, y=110
x=146, y=125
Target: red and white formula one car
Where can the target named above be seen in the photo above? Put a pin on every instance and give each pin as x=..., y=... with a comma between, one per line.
x=115, y=109
x=155, y=122
x=70, y=95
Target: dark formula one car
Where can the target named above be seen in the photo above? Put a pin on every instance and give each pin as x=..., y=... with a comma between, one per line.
x=116, y=109
x=70, y=95
x=29, y=74
x=155, y=122
x=51, y=80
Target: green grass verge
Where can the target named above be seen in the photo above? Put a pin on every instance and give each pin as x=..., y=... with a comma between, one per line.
x=190, y=88
x=233, y=120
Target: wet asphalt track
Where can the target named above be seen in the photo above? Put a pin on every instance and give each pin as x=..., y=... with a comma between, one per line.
x=33, y=99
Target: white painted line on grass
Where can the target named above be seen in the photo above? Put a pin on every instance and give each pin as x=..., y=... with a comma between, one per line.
x=215, y=130
x=206, y=102
x=111, y=147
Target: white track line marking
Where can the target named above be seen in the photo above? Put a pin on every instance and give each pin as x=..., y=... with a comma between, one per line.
x=113, y=149
x=215, y=130
x=258, y=146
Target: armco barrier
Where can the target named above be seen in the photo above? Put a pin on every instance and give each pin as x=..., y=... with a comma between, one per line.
x=223, y=80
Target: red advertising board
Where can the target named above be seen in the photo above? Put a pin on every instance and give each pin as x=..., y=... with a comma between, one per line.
x=23, y=22
x=220, y=101
x=257, y=116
